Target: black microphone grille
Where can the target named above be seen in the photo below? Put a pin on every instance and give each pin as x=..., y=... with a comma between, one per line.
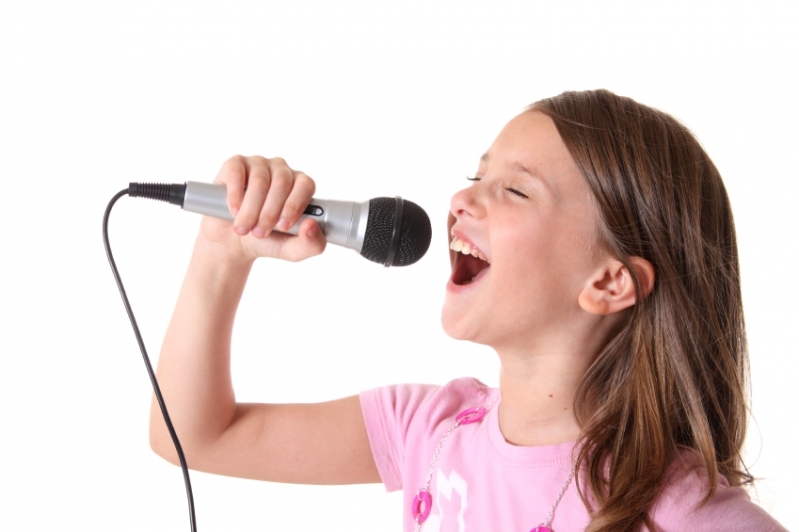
x=412, y=241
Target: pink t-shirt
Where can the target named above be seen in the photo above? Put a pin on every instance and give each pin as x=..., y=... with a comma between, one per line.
x=482, y=483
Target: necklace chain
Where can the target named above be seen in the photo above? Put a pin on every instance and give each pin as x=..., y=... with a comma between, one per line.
x=441, y=444
x=423, y=501
x=559, y=497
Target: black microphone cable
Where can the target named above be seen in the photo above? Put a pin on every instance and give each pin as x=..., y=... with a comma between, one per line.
x=388, y=240
x=156, y=388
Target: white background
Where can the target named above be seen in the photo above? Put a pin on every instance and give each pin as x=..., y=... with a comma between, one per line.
x=370, y=99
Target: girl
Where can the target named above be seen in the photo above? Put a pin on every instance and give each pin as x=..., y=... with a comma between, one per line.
x=595, y=252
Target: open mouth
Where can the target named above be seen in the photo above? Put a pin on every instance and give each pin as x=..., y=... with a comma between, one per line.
x=469, y=264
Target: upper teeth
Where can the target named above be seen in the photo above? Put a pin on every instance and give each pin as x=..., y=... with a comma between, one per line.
x=466, y=248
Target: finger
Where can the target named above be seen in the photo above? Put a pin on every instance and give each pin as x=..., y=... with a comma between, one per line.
x=298, y=200
x=233, y=175
x=279, y=189
x=310, y=241
x=258, y=181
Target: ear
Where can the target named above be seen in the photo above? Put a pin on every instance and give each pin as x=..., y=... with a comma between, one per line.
x=611, y=289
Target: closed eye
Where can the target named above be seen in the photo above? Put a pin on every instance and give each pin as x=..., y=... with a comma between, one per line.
x=511, y=190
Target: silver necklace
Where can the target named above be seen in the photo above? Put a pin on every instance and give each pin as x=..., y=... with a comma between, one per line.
x=423, y=501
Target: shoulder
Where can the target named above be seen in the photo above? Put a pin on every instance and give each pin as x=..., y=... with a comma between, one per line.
x=680, y=505
x=404, y=416
x=404, y=403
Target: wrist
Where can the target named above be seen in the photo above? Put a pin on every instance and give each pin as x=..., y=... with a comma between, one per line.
x=222, y=254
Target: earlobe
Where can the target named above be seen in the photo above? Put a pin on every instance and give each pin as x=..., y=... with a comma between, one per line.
x=611, y=289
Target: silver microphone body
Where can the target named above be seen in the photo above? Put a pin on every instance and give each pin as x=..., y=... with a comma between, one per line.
x=342, y=222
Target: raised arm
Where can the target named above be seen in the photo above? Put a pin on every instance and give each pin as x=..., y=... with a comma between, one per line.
x=323, y=443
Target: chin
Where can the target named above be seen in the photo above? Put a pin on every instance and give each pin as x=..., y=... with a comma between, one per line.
x=449, y=324
x=457, y=326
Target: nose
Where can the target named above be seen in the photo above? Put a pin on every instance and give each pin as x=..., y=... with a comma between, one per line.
x=466, y=203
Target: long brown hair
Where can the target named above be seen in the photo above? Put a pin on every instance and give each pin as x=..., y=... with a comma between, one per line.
x=676, y=375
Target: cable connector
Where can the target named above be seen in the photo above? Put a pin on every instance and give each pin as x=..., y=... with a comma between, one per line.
x=173, y=194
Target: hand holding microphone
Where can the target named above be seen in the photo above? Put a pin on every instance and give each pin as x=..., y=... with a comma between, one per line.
x=260, y=194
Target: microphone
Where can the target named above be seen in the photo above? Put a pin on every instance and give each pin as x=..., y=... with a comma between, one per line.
x=388, y=231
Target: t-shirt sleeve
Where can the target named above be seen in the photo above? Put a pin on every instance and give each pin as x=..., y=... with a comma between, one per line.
x=730, y=509
x=388, y=413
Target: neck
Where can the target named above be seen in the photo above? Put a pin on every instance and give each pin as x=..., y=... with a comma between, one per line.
x=537, y=397
x=539, y=377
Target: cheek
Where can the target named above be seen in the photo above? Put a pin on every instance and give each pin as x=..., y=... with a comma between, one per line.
x=528, y=249
x=523, y=278
x=546, y=265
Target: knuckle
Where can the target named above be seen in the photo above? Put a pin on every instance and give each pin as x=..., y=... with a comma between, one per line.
x=281, y=183
x=257, y=168
x=258, y=160
x=292, y=210
x=236, y=160
x=304, y=182
x=267, y=220
x=259, y=180
x=233, y=172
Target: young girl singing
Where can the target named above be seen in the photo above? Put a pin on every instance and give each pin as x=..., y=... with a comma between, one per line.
x=595, y=252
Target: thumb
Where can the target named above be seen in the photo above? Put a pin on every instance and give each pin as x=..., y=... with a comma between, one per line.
x=310, y=241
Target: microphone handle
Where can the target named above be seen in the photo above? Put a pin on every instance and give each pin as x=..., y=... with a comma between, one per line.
x=342, y=222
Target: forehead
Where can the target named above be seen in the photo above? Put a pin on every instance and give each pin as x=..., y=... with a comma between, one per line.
x=530, y=143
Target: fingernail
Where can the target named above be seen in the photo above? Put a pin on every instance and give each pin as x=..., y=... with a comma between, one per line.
x=241, y=231
x=283, y=224
x=258, y=232
x=312, y=231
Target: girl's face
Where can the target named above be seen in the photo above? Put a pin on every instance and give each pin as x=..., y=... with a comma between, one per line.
x=530, y=214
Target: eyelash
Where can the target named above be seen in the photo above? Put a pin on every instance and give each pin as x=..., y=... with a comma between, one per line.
x=511, y=190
